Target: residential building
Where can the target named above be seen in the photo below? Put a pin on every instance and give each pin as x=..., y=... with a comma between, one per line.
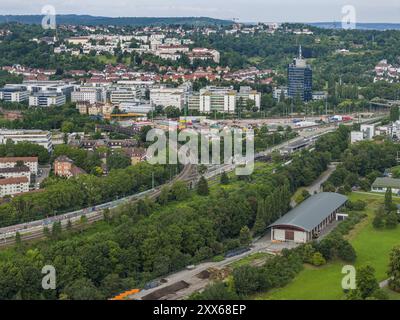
x=368, y=130
x=94, y=109
x=12, y=163
x=12, y=186
x=300, y=79
x=306, y=221
x=47, y=99
x=382, y=184
x=15, y=172
x=223, y=99
x=165, y=97
x=42, y=138
x=204, y=54
x=65, y=167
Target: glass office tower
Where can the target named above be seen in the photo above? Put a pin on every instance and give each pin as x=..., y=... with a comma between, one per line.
x=300, y=79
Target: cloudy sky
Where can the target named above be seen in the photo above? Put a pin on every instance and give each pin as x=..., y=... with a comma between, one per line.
x=244, y=10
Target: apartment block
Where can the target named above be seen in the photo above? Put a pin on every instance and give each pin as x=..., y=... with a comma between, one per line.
x=12, y=163
x=223, y=99
x=15, y=172
x=12, y=186
x=165, y=97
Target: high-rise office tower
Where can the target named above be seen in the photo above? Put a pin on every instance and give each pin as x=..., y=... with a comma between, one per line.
x=300, y=79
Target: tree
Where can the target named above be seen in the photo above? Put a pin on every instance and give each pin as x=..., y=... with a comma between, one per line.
x=56, y=230
x=117, y=160
x=67, y=127
x=345, y=251
x=245, y=236
x=394, y=113
x=172, y=112
x=179, y=191
x=392, y=220
x=388, y=200
x=366, y=281
x=82, y=289
x=394, y=269
x=202, y=187
x=216, y=291
x=378, y=222
x=224, y=178
x=18, y=240
x=164, y=195
x=246, y=280
x=260, y=223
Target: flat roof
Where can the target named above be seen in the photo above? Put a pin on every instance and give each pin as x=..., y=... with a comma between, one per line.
x=312, y=211
x=386, y=183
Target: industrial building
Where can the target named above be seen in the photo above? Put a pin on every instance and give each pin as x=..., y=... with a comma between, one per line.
x=306, y=221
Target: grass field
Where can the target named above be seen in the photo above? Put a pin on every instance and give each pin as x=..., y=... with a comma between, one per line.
x=324, y=283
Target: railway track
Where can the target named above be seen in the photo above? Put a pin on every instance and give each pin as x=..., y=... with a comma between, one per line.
x=35, y=230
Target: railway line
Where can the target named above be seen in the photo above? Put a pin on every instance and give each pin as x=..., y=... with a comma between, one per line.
x=35, y=230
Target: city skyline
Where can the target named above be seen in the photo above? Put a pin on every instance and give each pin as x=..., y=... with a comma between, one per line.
x=245, y=11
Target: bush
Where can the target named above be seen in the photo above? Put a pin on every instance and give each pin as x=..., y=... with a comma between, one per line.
x=392, y=220
x=378, y=222
x=358, y=205
x=317, y=259
x=346, y=252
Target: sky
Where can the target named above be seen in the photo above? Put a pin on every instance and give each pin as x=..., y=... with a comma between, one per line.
x=243, y=10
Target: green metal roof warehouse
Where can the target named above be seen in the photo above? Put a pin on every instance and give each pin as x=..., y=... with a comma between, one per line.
x=311, y=216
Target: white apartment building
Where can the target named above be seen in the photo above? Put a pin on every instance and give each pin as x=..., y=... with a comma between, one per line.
x=15, y=172
x=124, y=95
x=47, y=99
x=11, y=162
x=368, y=130
x=90, y=94
x=204, y=54
x=165, y=97
x=42, y=138
x=60, y=87
x=14, y=93
x=12, y=186
x=222, y=99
